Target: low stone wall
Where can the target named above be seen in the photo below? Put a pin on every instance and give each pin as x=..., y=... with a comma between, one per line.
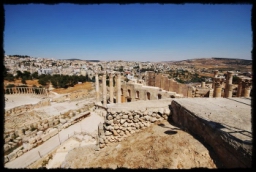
x=23, y=139
x=28, y=107
x=120, y=123
x=78, y=95
x=233, y=152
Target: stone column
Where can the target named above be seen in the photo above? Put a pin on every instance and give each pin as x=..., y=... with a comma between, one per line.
x=111, y=88
x=230, y=90
x=229, y=79
x=104, y=91
x=203, y=85
x=217, y=87
x=239, y=88
x=97, y=87
x=118, y=82
x=247, y=88
x=215, y=75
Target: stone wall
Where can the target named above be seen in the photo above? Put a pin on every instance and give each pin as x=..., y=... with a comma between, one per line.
x=120, y=123
x=135, y=92
x=230, y=150
x=78, y=95
x=28, y=107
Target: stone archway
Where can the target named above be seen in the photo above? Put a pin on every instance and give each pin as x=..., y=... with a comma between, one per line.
x=159, y=96
x=137, y=95
x=129, y=93
x=148, y=95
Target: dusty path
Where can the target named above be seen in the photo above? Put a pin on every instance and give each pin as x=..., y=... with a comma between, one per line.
x=89, y=124
x=161, y=145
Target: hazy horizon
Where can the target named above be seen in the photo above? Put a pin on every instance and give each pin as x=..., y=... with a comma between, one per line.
x=136, y=32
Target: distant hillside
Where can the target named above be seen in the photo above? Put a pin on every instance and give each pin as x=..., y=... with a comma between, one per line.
x=72, y=59
x=216, y=63
x=82, y=60
x=93, y=60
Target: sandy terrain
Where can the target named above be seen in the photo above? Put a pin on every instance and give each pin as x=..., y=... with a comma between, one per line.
x=86, y=85
x=160, y=146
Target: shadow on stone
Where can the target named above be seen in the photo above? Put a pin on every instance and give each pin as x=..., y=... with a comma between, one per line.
x=170, y=132
x=161, y=125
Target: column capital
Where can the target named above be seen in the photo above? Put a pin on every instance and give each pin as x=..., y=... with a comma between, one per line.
x=111, y=74
x=247, y=83
x=218, y=82
x=230, y=72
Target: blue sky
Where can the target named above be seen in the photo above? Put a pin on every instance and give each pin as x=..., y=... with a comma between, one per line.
x=135, y=32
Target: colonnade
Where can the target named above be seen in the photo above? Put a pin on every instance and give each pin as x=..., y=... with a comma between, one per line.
x=111, y=88
x=26, y=90
x=243, y=89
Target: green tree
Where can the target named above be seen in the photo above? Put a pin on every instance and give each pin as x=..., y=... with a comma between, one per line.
x=19, y=74
x=35, y=75
x=23, y=80
x=235, y=79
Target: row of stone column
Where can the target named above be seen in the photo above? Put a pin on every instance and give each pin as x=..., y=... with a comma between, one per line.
x=26, y=90
x=243, y=90
x=111, y=88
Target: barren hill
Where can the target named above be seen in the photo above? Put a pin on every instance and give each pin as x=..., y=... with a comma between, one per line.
x=217, y=63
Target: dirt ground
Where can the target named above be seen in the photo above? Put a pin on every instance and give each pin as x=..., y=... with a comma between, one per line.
x=161, y=145
x=86, y=85
x=18, y=82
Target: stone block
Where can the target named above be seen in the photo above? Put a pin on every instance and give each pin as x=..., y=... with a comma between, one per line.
x=153, y=119
x=34, y=145
x=114, y=133
x=102, y=146
x=6, y=159
x=27, y=132
x=65, y=125
x=125, y=117
x=20, y=152
x=110, y=122
x=167, y=111
x=12, y=156
x=125, y=124
x=109, y=117
x=45, y=137
x=161, y=110
x=101, y=140
x=115, y=121
x=6, y=147
x=53, y=132
x=63, y=121
x=32, y=140
x=108, y=133
x=56, y=121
